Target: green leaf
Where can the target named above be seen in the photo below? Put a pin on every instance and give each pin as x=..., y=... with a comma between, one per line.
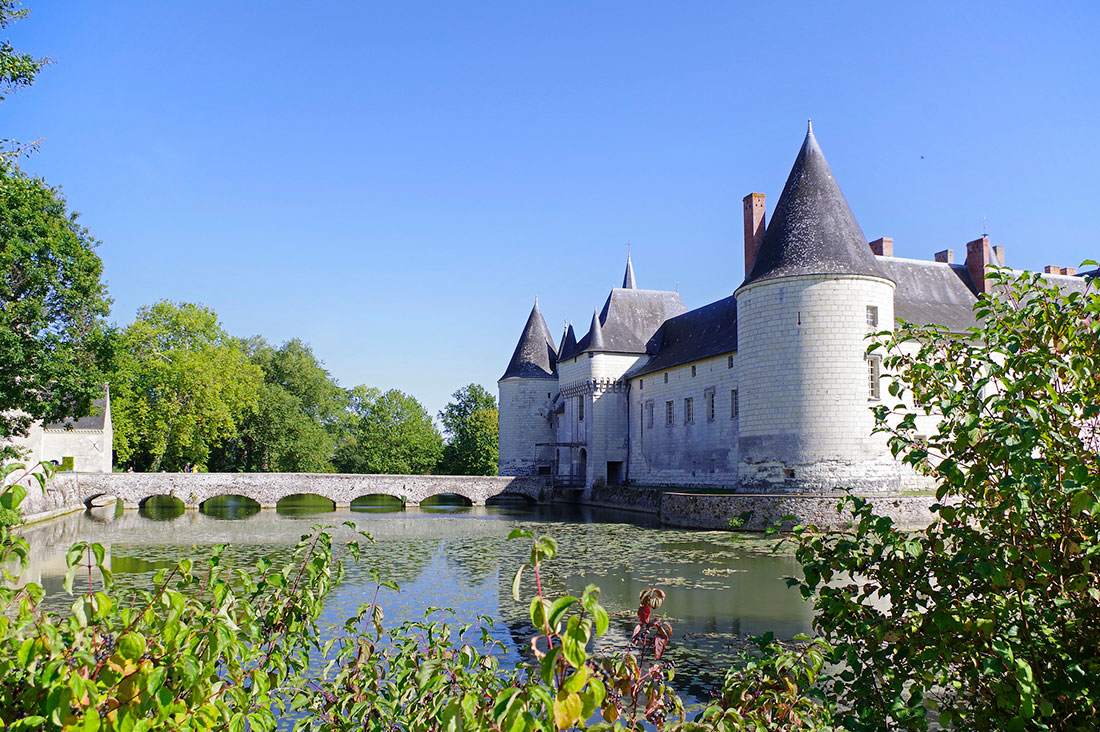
x=516, y=581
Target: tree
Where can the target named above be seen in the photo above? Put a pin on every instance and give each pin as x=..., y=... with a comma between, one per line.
x=391, y=432
x=54, y=342
x=990, y=615
x=296, y=419
x=470, y=422
x=182, y=386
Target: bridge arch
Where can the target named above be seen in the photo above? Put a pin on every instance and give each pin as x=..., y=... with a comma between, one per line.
x=446, y=501
x=378, y=502
x=305, y=503
x=230, y=506
x=161, y=507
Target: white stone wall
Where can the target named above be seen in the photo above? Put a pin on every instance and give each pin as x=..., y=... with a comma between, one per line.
x=603, y=433
x=703, y=452
x=91, y=450
x=806, y=416
x=525, y=421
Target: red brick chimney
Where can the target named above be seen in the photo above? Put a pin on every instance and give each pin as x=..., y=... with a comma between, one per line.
x=978, y=257
x=754, y=227
x=947, y=256
x=883, y=247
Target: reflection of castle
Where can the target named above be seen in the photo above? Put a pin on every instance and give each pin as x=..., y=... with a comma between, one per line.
x=84, y=444
x=767, y=390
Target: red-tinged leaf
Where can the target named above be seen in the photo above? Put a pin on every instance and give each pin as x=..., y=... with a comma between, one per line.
x=643, y=613
x=659, y=644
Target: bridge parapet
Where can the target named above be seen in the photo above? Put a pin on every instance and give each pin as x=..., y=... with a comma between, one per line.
x=268, y=488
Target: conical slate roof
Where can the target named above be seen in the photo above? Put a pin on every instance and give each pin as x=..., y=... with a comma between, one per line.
x=812, y=231
x=535, y=356
x=628, y=278
x=594, y=340
x=568, y=344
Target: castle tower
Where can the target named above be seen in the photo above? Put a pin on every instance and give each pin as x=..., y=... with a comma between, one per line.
x=813, y=294
x=526, y=390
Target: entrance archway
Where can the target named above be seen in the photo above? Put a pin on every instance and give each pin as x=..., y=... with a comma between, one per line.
x=582, y=467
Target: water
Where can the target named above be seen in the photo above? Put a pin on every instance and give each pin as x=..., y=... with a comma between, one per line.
x=721, y=587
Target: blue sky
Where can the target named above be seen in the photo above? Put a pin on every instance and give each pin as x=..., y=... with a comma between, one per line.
x=395, y=182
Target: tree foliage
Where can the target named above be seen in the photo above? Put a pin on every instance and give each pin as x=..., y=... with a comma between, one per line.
x=294, y=424
x=182, y=386
x=989, y=617
x=54, y=342
x=470, y=422
x=388, y=432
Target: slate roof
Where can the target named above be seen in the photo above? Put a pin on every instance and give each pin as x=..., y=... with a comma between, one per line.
x=812, y=230
x=629, y=319
x=568, y=344
x=535, y=356
x=935, y=293
x=697, y=334
x=94, y=421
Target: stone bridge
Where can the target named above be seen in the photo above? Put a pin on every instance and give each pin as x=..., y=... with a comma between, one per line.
x=268, y=488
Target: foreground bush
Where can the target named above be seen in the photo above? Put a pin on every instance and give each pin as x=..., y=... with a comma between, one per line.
x=213, y=647
x=991, y=617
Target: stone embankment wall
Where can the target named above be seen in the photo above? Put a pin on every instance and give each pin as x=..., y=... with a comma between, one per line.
x=755, y=512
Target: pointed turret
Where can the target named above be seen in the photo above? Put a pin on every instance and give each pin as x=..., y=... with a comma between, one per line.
x=628, y=278
x=812, y=231
x=568, y=343
x=535, y=356
x=594, y=341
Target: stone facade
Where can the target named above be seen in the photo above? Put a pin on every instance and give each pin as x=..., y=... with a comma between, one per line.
x=88, y=441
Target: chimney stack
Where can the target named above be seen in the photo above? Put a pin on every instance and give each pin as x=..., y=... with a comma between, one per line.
x=1000, y=258
x=977, y=260
x=883, y=247
x=1054, y=269
x=1069, y=270
x=947, y=256
x=754, y=227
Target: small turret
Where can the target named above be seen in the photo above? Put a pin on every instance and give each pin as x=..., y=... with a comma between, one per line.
x=568, y=343
x=594, y=341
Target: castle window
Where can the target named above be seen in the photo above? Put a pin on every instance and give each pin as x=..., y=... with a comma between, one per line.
x=666, y=377
x=708, y=398
x=735, y=407
x=729, y=361
x=649, y=414
x=693, y=372
x=580, y=409
x=872, y=316
x=641, y=384
x=874, y=364
x=670, y=409
x=689, y=414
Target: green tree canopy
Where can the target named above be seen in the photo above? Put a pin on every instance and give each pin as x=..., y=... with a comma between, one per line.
x=54, y=342
x=390, y=432
x=182, y=386
x=470, y=422
x=296, y=418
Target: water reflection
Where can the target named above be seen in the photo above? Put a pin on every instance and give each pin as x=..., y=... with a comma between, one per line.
x=304, y=504
x=162, y=508
x=378, y=503
x=230, y=508
x=720, y=586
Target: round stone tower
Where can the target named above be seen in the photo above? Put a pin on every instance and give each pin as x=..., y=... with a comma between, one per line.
x=812, y=294
x=526, y=391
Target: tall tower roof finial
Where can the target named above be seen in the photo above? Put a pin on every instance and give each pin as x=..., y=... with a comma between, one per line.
x=809, y=126
x=628, y=278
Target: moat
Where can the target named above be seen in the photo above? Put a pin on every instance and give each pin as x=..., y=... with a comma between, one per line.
x=722, y=587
